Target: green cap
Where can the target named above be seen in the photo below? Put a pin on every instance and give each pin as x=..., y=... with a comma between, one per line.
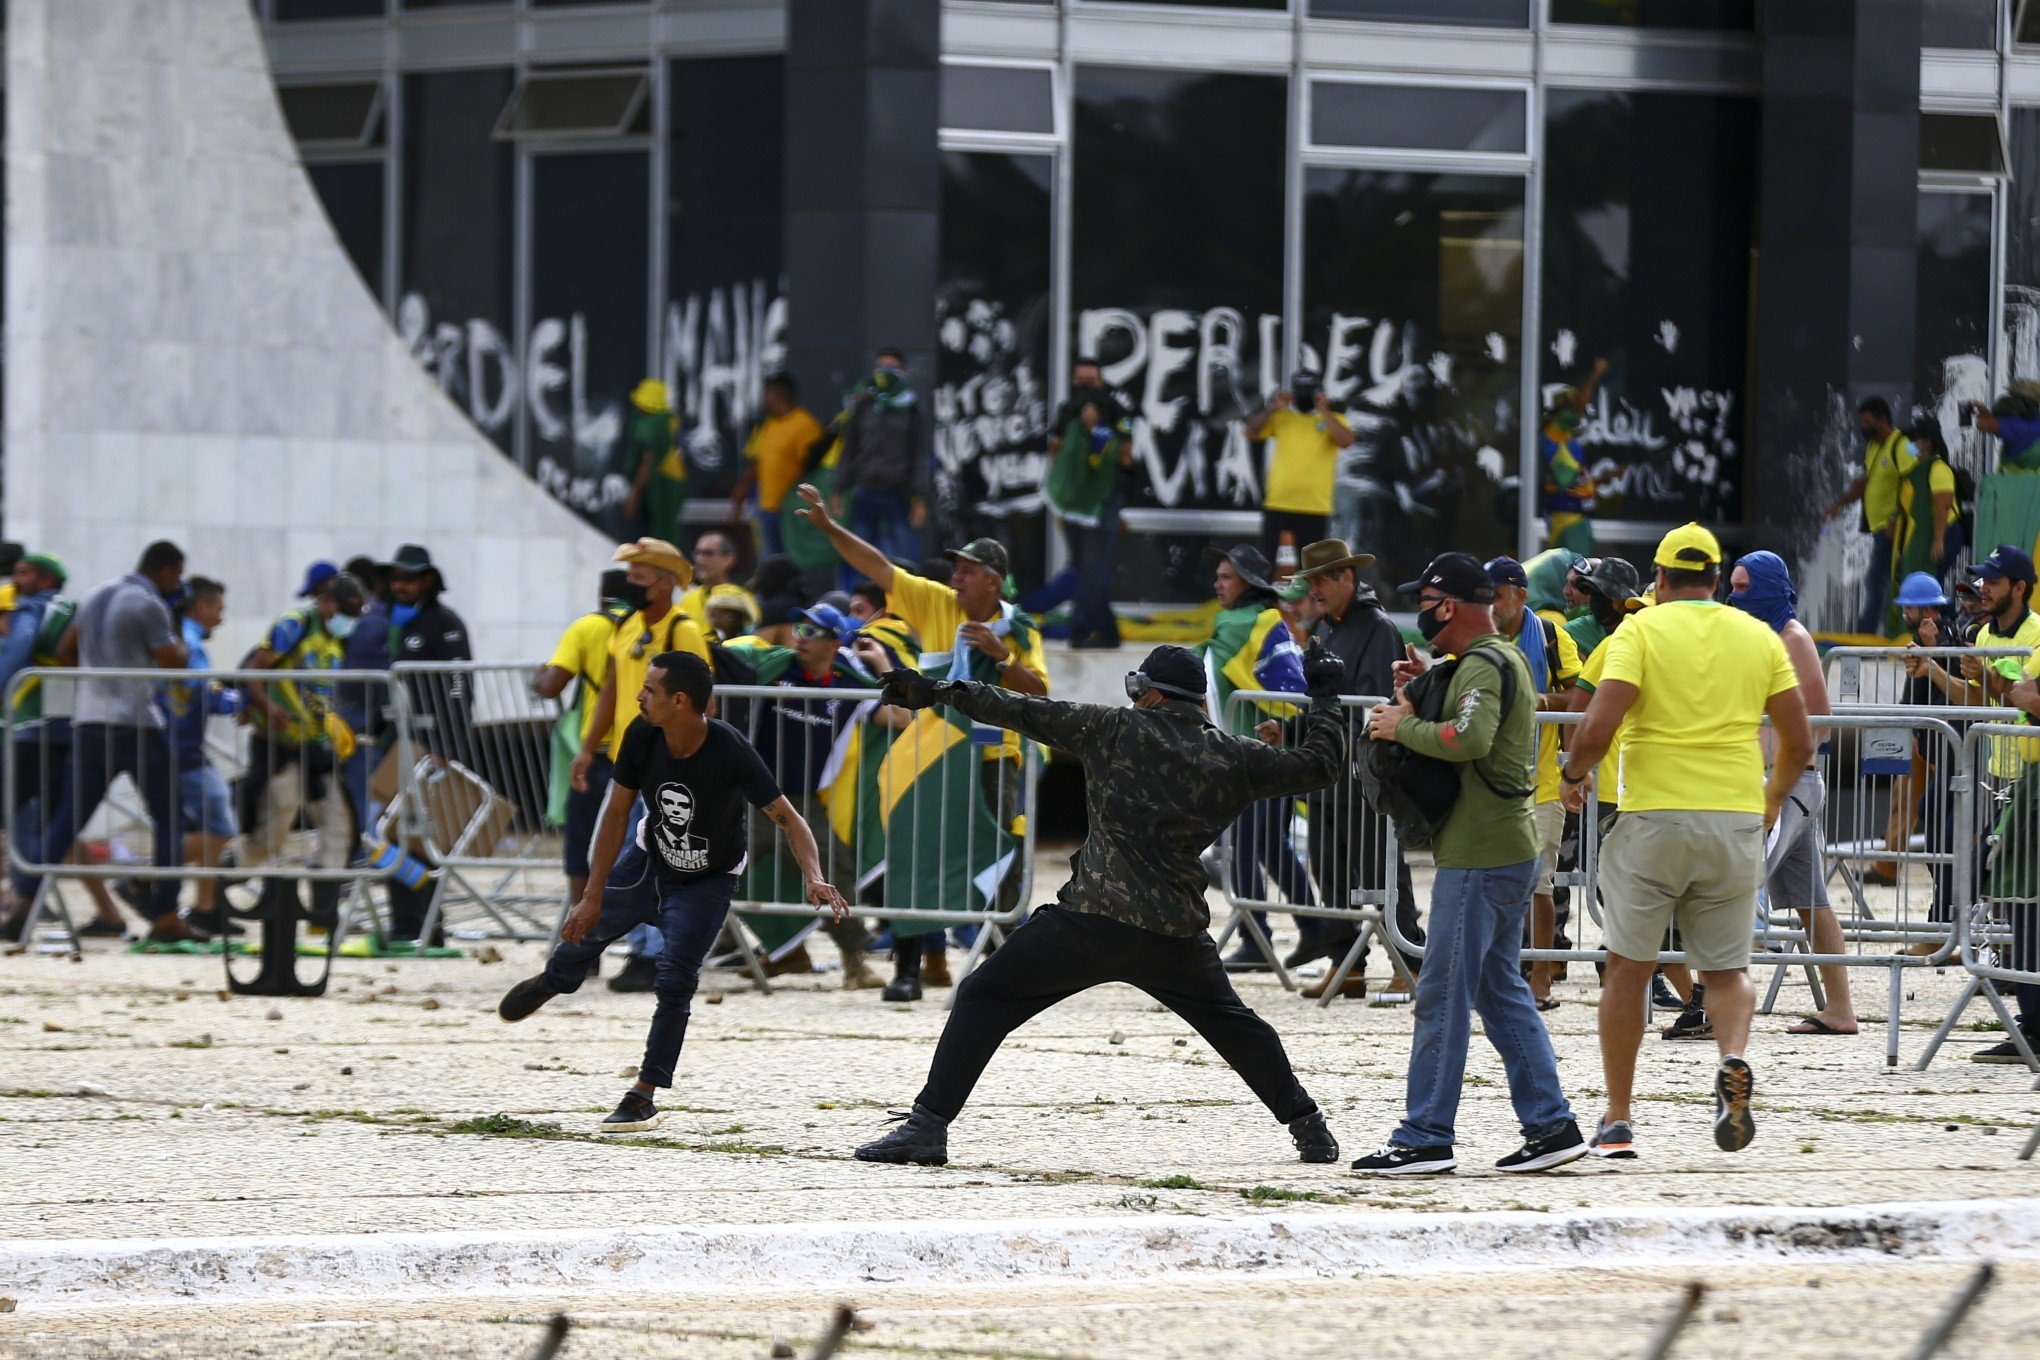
x=1294, y=591
x=49, y=563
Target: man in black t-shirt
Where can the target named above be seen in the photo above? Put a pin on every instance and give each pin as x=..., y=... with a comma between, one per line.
x=696, y=775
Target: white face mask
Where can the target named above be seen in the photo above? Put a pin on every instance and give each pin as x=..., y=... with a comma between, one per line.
x=342, y=626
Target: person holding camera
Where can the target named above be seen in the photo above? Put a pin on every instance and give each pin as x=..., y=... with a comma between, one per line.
x=1307, y=434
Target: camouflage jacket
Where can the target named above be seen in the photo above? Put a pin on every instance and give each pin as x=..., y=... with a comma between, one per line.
x=1160, y=784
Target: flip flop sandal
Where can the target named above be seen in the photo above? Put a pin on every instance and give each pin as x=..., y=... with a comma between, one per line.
x=1813, y=1024
x=1549, y=1003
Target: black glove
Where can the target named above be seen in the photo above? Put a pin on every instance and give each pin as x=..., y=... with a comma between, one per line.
x=1324, y=674
x=907, y=688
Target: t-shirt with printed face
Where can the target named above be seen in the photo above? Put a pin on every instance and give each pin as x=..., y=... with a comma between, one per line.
x=694, y=823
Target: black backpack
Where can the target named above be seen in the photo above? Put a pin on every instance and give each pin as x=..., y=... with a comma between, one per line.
x=1415, y=791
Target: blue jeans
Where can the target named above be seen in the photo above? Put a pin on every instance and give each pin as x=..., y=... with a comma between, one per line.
x=101, y=752
x=1876, y=586
x=1473, y=962
x=689, y=917
x=771, y=533
x=880, y=519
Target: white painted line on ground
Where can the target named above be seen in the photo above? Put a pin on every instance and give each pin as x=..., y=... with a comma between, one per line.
x=63, y=1273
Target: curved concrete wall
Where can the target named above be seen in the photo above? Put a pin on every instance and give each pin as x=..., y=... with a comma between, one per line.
x=191, y=355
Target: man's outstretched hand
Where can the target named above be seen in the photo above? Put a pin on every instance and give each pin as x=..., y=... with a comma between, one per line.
x=907, y=688
x=1323, y=673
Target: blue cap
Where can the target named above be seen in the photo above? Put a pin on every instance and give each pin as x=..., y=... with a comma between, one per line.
x=1921, y=591
x=2007, y=562
x=1507, y=571
x=317, y=575
x=829, y=617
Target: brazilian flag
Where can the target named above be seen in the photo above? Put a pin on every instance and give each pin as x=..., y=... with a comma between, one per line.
x=944, y=849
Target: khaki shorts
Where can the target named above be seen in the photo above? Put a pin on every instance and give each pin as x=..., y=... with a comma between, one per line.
x=1550, y=830
x=1700, y=870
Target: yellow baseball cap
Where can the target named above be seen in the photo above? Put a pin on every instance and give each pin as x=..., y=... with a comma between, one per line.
x=1690, y=547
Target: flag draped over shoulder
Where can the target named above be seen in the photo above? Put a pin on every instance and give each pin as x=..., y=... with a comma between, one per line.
x=944, y=850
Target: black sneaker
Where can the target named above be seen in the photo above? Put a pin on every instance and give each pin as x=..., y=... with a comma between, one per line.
x=1614, y=1139
x=1392, y=1159
x=922, y=1139
x=1734, y=1126
x=1542, y=1154
x=1662, y=997
x=901, y=989
x=1691, y=1024
x=1314, y=1141
x=633, y=1112
x=2006, y=1053
x=215, y=923
x=1247, y=958
x=526, y=997
x=638, y=975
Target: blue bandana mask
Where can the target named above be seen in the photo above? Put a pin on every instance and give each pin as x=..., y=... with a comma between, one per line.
x=1770, y=597
x=403, y=614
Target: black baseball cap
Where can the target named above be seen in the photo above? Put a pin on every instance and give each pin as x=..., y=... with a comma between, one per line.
x=1462, y=576
x=1175, y=671
x=986, y=552
x=1507, y=571
x=2007, y=562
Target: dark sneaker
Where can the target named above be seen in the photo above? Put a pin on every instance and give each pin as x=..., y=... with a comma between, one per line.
x=1615, y=1140
x=211, y=922
x=633, y=1112
x=1314, y=1141
x=1662, y=997
x=901, y=989
x=1542, y=1154
x=638, y=975
x=922, y=1139
x=1734, y=1125
x=526, y=997
x=1391, y=1159
x=2006, y=1053
x=114, y=930
x=1691, y=1024
x=1247, y=958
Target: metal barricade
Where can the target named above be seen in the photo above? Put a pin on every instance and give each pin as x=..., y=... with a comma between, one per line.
x=1875, y=677
x=483, y=762
x=115, y=775
x=1331, y=855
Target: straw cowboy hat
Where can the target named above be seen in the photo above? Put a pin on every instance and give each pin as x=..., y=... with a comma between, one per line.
x=658, y=554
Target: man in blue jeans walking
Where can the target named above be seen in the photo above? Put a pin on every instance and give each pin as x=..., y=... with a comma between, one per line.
x=696, y=775
x=1487, y=854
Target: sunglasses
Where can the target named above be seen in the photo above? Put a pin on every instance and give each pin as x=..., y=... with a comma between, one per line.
x=641, y=646
x=811, y=632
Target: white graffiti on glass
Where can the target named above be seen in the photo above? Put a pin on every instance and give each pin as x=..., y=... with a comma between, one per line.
x=993, y=419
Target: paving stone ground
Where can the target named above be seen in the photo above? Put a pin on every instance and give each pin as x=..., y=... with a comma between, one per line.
x=374, y=1109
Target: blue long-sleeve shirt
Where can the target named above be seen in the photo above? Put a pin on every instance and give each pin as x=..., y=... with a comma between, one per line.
x=17, y=653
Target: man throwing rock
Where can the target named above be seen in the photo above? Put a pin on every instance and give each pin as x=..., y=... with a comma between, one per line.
x=1160, y=784
x=1693, y=679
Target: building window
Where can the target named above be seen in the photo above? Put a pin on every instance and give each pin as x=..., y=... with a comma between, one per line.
x=590, y=242
x=1962, y=143
x=1487, y=13
x=553, y=105
x=1413, y=316
x=2022, y=248
x=725, y=322
x=353, y=195
x=1951, y=318
x=288, y=11
x=1422, y=117
x=1959, y=23
x=998, y=98
x=1177, y=285
x=992, y=393
x=1718, y=14
x=346, y=117
x=1650, y=207
x=454, y=296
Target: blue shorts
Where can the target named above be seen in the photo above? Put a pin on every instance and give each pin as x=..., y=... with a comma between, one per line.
x=205, y=803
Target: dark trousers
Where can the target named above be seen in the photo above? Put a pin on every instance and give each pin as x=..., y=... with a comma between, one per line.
x=1261, y=850
x=1093, y=549
x=689, y=917
x=1349, y=850
x=100, y=753
x=1059, y=953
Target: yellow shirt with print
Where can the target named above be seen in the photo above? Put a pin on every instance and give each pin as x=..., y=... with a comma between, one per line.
x=2009, y=757
x=1940, y=482
x=583, y=653
x=694, y=604
x=779, y=447
x=1885, y=465
x=1703, y=673
x=1302, y=461
x=931, y=609
x=1548, y=734
x=631, y=649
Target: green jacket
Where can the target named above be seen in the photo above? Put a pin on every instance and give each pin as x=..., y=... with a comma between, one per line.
x=1486, y=830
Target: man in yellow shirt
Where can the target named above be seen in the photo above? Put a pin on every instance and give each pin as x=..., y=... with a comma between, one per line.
x=654, y=627
x=715, y=557
x=1887, y=459
x=1306, y=435
x=774, y=457
x=969, y=632
x=1690, y=682
x=583, y=655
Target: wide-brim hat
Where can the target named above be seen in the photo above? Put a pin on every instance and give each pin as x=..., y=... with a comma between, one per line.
x=1331, y=554
x=1246, y=559
x=657, y=554
x=734, y=598
x=412, y=560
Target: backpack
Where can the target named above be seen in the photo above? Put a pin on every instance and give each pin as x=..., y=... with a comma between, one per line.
x=1417, y=792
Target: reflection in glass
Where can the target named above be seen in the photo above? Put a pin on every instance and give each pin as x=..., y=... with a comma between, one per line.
x=998, y=98
x=454, y=308
x=353, y=197
x=2022, y=248
x=590, y=239
x=1649, y=226
x=1177, y=278
x=725, y=322
x=992, y=318
x=1720, y=14
x=1343, y=113
x=1413, y=314
x=1490, y=13
x=1959, y=23
x=1951, y=326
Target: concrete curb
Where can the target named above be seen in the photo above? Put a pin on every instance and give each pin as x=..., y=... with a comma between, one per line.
x=822, y=1256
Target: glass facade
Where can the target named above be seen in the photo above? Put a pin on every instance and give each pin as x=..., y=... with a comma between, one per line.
x=1951, y=326
x=353, y=194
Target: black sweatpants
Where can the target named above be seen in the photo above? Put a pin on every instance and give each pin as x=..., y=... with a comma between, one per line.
x=1059, y=953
